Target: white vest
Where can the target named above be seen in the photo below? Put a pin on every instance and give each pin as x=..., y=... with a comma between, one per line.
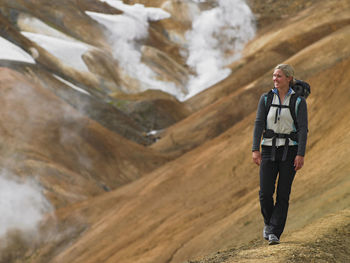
x=282, y=123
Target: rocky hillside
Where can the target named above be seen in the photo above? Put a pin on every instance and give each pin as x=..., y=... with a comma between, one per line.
x=188, y=192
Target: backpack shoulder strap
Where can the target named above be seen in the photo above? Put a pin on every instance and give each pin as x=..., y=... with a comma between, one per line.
x=268, y=102
x=292, y=108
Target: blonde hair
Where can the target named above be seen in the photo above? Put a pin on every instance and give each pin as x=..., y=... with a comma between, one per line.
x=288, y=70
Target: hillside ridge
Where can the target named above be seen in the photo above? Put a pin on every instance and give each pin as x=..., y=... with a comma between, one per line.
x=326, y=240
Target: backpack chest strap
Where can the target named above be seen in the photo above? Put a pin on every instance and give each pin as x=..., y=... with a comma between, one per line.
x=280, y=106
x=278, y=109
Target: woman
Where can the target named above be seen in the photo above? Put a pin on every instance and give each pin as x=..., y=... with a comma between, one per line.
x=282, y=148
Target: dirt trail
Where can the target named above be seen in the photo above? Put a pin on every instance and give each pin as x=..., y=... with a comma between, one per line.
x=327, y=240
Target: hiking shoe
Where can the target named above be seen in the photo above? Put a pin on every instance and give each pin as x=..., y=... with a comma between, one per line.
x=266, y=232
x=273, y=240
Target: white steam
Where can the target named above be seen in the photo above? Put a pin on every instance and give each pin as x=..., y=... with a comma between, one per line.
x=22, y=204
x=217, y=38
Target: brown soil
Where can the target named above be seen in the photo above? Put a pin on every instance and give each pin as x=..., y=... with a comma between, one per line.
x=326, y=240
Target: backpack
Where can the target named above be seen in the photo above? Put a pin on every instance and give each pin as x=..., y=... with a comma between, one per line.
x=301, y=89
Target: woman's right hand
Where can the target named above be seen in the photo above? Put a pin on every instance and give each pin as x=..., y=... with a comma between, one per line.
x=257, y=157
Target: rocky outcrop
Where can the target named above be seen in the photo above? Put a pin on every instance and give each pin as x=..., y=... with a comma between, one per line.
x=155, y=110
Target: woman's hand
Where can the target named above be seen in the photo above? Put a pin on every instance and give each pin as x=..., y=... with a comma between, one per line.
x=298, y=162
x=257, y=157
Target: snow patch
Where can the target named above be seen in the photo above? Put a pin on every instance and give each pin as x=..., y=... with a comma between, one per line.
x=71, y=85
x=69, y=52
x=10, y=51
x=28, y=23
x=139, y=11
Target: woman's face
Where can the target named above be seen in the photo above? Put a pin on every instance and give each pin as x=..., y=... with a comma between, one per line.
x=280, y=80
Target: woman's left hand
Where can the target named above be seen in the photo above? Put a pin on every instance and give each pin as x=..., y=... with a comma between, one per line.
x=298, y=162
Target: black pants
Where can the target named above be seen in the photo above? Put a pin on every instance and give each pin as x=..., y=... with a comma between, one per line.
x=275, y=213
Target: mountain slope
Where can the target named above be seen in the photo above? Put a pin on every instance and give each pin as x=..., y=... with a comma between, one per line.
x=73, y=156
x=201, y=202
x=117, y=201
